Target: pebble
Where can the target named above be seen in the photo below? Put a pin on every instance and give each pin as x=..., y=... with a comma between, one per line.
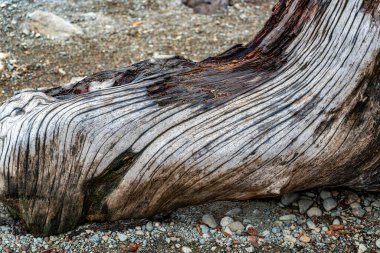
x=325, y=195
x=362, y=248
x=355, y=205
x=205, y=229
x=186, y=249
x=51, y=25
x=225, y=221
x=149, y=226
x=122, y=237
x=289, y=217
x=305, y=239
x=289, y=198
x=351, y=198
x=336, y=221
x=227, y=231
x=376, y=203
x=304, y=205
x=378, y=243
x=234, y=212
x=314, y=212
x=310, y=224
x=329, y=204
x=3, y=56
x=236, y=226
x=209, y=220
x=358, y=212
x=95, y=238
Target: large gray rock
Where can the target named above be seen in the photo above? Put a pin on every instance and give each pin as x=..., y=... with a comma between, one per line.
x=51, y=25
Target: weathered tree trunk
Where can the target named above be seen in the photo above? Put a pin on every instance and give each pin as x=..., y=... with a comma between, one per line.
x=298, y=107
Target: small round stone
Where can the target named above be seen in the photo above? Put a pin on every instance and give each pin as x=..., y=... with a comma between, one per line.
x=358, y=212
x=289, y=217
x=325, y=195
x=314, y=212
x=329, y=204
x=209, y=220
x=305, y=239
x=186, y=249
x=225, y=221
x=236, y=226
x=289, y=198
x=304, y=205
x=378, y=243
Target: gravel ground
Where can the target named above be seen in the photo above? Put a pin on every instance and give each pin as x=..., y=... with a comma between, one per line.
x=96, y=35
x=114, y=34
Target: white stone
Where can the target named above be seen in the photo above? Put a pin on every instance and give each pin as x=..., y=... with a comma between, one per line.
x=314, y=211
x=225, y=221
x=209, y=220
x=51, y=25
x=236, y=226
x=186, y=249
x=362, y=248
x=378, y=243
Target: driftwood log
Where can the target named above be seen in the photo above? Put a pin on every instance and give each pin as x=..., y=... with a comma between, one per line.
x=297, y=107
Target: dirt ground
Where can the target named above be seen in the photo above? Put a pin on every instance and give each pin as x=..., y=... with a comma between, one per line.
x=116, y=33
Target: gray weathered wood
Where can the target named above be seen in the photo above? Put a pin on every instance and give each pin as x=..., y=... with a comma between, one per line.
x=297, y=107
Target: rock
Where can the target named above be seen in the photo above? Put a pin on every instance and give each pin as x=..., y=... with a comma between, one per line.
x=336, y=221
x=314, y=212
x=234, y=212
x=225, y=221
x=205, y=229
x=310, y=224
x=149, y=226
x=132, y=247
x=51, y=25
x=122, y=237
x=355, y=205
x=362, y=248
x=227, y=231
x=289, y=198
x=3, y=56
x=276, y=230
x=305, y=239
x=378, y=243
x=304, y=205
x=329, y=204
x=249, y=249
x=289, y=217
x=209, y=220
x=325, y=195
x=95, y=238
x=236, y=226
x=186, y=249
x=376, y=203
x=358, y=212
x=351, y=198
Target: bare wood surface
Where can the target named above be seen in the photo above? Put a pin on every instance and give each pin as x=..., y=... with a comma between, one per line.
x=295, y=108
